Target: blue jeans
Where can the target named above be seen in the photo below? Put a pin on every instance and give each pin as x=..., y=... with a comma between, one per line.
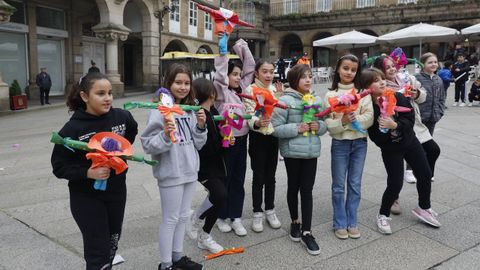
x=348, y=159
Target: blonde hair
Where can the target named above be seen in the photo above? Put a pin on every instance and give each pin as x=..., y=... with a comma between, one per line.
x=427, y=55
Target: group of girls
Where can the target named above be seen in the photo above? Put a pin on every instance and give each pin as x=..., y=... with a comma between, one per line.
x=198, y=155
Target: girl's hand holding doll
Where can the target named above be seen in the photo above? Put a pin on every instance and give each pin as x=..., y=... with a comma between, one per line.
x=303, y=127
x=201, y=119
x=262, y=122
x=348, y=118
x=387, y=122
x=169, y=125
x=98, y=173
x=314, y=126
x=232, y=140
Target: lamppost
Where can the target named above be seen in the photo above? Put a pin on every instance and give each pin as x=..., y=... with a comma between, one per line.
x=159, y=14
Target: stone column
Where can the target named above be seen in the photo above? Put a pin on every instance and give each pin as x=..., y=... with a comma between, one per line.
x=150, y=60
x=112, y=33
x=34, y=69
x=4, y=95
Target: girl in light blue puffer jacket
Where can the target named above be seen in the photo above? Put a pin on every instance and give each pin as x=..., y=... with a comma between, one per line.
x=300, y=152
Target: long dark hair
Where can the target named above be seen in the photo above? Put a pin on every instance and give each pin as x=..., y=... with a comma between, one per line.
x=173, y=70
x=74, y=100
x=336, y=76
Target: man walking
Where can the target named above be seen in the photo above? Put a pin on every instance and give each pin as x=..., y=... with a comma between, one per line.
x=45, y=83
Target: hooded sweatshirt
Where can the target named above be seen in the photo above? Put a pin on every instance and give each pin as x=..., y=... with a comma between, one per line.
x=226, y=95
x=178, y=163
x=73, y=165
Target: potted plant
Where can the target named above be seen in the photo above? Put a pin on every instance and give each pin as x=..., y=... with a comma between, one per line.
x=17, y=99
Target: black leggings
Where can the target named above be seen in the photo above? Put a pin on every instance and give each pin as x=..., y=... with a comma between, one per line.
x=263, y=151
x=217, y=195
x=432, y=150
x=99, y=217
x=301, y=177
x=393, y=161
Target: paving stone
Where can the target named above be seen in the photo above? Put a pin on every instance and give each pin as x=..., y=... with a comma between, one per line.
x=459, y=229
x=403, y=250
x=467, y=260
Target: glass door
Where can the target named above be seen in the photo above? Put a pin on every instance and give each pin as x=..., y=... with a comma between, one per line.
x=50, y=55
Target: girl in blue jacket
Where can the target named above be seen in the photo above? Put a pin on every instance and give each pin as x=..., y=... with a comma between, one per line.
x=300, y=152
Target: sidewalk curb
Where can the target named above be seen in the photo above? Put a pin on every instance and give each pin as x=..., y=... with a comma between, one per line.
x=62, y=104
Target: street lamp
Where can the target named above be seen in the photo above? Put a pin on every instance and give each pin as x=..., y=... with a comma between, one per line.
x=159, y=14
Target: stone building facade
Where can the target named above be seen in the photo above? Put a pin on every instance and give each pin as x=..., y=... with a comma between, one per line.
x=295, y=24
x=120, y=36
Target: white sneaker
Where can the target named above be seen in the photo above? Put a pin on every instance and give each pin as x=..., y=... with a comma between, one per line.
x=462, y=104
x=383, y=224
x=257, y=222
x=223, y=225
x=455, y=104
x=409, y=177
x=470, y=104
x=238, y=228
x=193, y=226
x=205, y=241
x=273, y=219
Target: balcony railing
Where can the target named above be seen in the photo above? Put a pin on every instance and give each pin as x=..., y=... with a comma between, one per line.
x=286, y=7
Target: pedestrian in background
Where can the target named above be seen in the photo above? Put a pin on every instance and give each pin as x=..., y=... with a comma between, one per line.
x=93, y=68
x=98, y=214
x=45, y=83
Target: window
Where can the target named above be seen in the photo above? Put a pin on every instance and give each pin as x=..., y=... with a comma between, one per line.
x=290, y=6
x=249, y=13
x=175, y=14
x=407, y=1
x=19, y=15
x=192, y=19
x=50, y=18
x=324, y=5
x=365, y=3
x=208, y=22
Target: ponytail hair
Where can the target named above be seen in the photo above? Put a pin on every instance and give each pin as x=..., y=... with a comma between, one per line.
x=74, y=100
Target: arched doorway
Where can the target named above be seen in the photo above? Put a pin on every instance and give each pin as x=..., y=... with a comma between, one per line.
x=291, y=46
x=131, y=56
x=205, y=49
x=175, y=45
x=321, y=55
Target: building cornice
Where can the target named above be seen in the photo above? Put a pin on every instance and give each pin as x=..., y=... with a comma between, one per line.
x=355, y=18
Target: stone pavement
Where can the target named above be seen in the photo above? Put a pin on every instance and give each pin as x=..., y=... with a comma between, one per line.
x=37, y=230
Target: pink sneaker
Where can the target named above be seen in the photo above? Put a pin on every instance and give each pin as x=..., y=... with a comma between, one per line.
x=427, y=215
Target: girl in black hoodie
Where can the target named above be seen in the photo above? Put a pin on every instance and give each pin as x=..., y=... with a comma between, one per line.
x=212, y=172
x=397, y=141
x=99, y=214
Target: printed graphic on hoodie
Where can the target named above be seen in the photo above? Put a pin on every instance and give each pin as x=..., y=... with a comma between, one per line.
x=183, y=125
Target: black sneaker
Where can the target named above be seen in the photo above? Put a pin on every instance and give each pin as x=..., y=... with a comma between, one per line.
x=171, y=267
x=309, y=241
x=295, y=233
x=185, y=263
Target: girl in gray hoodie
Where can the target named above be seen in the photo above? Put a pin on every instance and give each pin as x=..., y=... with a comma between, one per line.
x=177, y=169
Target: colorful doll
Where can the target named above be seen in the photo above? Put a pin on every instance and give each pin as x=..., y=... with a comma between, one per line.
x=229, y=122
x=309, y=110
